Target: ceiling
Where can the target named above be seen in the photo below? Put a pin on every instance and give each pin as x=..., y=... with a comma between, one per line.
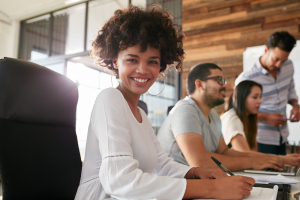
x=21, y=9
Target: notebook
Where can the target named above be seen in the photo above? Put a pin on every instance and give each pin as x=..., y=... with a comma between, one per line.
x=288, y=171
x=260, y=193
x=283, y=190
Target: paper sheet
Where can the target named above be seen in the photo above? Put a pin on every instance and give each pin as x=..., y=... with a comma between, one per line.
x=258, y=193
x=279, y=179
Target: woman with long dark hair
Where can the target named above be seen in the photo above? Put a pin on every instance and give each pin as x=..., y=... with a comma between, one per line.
x=239, y=122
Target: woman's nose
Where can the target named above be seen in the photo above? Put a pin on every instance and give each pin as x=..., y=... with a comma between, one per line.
x=142, y=68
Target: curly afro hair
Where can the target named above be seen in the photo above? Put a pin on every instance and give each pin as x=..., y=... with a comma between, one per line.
x=128, y=27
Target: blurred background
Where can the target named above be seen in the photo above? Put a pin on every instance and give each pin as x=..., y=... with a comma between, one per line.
x=232, y=33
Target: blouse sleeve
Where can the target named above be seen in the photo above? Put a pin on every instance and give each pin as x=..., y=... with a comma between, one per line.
x=166, y=166
x=119, y=173
x=231, y=126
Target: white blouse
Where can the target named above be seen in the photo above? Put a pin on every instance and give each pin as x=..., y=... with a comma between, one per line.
x=231, y=125
x=123, y=158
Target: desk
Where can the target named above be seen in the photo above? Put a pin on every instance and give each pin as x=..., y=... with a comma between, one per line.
x=294, y=188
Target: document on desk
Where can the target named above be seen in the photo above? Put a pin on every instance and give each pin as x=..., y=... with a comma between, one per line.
x=258, y=193
x=279, y=179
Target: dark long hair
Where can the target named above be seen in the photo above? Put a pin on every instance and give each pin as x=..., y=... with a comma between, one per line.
x=241, y=92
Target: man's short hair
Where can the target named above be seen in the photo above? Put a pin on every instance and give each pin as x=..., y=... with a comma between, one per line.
x=282, y=40
x=199, y=71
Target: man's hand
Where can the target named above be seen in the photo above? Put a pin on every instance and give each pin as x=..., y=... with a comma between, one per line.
x=295, y=114
x=233, y=187
x=264, y=162
x=291, y=159
x=277, y=119
x=206, y=173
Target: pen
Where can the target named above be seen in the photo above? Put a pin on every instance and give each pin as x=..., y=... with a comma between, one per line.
x=285, y=118
x=222, y=166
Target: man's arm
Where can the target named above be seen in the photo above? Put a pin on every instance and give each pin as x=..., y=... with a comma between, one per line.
x=240, y=144
x=295, y=114
x=193, y=149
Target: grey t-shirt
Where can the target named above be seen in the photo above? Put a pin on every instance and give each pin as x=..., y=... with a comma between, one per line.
x=186, y=117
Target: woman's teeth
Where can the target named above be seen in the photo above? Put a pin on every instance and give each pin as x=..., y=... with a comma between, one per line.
x=140, y=80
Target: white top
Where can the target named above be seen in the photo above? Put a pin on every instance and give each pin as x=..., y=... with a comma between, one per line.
x=123, y=158
x=231, y=125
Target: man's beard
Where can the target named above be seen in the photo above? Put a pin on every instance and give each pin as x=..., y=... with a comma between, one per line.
x=210, y=101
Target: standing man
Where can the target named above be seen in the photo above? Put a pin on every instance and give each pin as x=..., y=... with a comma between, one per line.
x=274, y=72
x=191, y=133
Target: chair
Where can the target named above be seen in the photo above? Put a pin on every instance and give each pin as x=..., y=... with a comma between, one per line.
x=143, y=106
x=169, y=109
x=39, y=154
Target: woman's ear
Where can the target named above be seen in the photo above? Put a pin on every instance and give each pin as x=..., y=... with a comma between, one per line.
x=115, y=63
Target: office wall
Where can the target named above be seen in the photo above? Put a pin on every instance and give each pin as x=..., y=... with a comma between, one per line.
x=9, y=39
x=219, y=31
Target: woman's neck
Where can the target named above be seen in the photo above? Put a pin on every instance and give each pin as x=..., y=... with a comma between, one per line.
x=132, y=101
x=131, y=98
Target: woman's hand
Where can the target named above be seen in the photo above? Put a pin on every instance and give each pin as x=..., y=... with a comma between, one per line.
x=209, y=173
x=291, y=159
x=233, y=187
x=230, y=187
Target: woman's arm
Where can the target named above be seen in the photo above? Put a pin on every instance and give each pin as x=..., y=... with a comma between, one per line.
x=167, y=166
x=239, y=143
x=233, y=187
x=120, y=173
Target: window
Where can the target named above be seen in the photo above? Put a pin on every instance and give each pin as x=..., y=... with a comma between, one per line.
x=61, y=40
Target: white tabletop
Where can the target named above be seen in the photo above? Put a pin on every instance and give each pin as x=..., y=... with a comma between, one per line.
x=294, y=188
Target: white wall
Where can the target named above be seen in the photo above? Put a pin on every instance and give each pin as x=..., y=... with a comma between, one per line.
x=9, y=39
x=250, y=56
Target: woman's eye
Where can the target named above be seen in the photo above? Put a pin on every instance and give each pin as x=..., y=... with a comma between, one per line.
x=131, y=60
x=153, y=62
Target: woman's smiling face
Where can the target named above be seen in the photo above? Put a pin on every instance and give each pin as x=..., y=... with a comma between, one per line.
x=137, y=70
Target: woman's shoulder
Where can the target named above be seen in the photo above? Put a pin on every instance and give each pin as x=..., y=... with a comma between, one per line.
x=110, y=95
x=110, y=92
x=230, y=116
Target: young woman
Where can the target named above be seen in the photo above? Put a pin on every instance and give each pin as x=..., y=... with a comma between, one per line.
x=239, y=122
x=123, y=157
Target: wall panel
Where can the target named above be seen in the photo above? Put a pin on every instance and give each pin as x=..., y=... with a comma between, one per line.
x=219, y=31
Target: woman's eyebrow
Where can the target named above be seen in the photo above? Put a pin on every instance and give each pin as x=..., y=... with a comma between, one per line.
x=132, y=55
x=154, y=57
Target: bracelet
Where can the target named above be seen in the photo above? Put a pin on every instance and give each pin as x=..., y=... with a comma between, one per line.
x=194, y=172
x=296, y=103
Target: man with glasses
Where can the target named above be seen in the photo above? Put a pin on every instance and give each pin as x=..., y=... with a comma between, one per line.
x=274, y=71
x=191, y=133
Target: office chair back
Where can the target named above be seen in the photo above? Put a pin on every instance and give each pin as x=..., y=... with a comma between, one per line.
x=39, y=154
x=169, y=109
x=143, y=106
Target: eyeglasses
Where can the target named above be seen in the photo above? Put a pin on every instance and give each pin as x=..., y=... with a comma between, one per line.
x=221, y=80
